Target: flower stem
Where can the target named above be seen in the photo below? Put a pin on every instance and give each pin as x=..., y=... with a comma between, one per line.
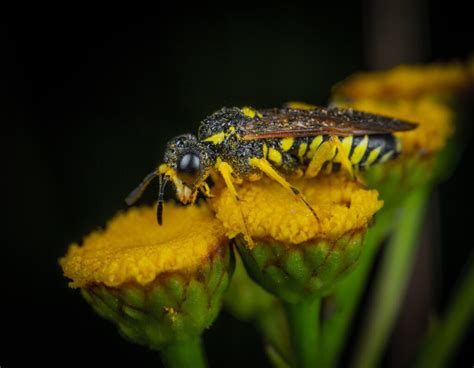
x=187, y=353
x=448, y=332
x=348, y=291
x=303, y=321
x=391, y=281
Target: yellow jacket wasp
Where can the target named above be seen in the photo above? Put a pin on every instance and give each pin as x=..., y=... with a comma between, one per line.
x=242, y=144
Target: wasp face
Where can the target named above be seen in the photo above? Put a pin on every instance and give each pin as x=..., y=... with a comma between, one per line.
x=190, y=162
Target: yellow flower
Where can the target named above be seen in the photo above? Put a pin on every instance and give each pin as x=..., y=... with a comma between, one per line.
x=406, y=81
x=435, y=120
x=294, y=255
x=341, y=206
x=134, y=248
x=161, y=285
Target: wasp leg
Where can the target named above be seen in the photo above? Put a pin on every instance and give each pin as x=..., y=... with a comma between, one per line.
x=194, y=196
x=226, y=171
x=325, y=152
x=360, y=179
x=265, y=166
x=206, y=190
x=343, y=157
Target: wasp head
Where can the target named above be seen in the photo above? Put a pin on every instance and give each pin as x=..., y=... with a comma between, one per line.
x=189, y=162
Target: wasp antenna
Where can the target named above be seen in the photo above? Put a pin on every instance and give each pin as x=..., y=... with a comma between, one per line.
x=138, y=191
x=162, y=181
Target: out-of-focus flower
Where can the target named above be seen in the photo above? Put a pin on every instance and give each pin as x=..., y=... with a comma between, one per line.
x=406, y=81
x=296, y=255
x=160, y=284
x=422, y=94
x=435, y=121
x=420, y=161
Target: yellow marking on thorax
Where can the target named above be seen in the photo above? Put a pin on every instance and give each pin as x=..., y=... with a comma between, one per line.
x=216, y=138
x=359, y=151
x=275, y=156
x=315, y=143
x=249, y=112
x=265, y=150
x=287, y=143
x=373, y=156
x=302, y=150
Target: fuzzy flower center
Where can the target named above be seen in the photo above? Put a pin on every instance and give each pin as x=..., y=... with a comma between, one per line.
x=435, y=120
x=270, y=211
x=133, y=247
x=406, y=81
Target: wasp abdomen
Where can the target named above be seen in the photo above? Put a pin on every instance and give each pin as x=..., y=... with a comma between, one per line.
x=362, y=151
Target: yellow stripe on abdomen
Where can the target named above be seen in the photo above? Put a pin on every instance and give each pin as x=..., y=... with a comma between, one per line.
x=302, y=150
x=386, y=157
x=287, y=143
x=359, y=150
x=372, y=156
x=314, y=145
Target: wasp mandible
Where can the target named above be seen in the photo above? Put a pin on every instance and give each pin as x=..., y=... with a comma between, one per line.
x=244, y=143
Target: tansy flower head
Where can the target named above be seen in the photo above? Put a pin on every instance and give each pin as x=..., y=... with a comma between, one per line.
x=159, y=284
x=422, y=149
x=341, y=205
x=294, y=254
x=435, y=121
x=406, y=81
x=133, y=248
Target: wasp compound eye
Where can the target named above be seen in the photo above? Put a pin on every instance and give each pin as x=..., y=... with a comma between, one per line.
x=189, y=167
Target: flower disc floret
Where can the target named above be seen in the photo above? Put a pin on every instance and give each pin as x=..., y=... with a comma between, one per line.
x=134, y=248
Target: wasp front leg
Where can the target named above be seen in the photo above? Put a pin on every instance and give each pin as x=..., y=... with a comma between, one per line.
x=204, y=188
x=227, y=174
x=265, y=166
x=343, y=153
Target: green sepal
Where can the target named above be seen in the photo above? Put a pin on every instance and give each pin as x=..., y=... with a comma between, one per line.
x=176, y=307
x=297, y=272
x=245, y=299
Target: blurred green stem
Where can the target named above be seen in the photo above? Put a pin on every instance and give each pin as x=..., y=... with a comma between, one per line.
x=349, y=290
x=448, y=332
x=390, y=284
x=303, y=323
x=273, y=325
x=188, y=353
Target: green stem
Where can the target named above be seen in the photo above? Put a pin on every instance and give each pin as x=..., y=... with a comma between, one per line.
x=188, y=353
x=448, y=333
x=273, y=325
x=303, y=323
x=391, y=281
x=349, y=290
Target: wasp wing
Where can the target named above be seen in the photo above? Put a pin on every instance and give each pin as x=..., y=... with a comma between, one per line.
x=287, y=122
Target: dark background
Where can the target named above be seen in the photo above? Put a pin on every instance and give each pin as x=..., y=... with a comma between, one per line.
x=90, y=98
